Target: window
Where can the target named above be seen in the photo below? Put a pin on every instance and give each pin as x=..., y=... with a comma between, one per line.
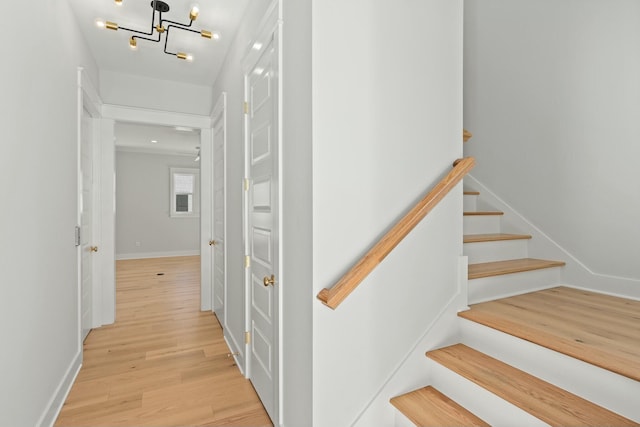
x=185, y=192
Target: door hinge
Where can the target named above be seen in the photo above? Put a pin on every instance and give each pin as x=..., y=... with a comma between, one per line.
x=247, y=337
x=246, y=107
x=78, y=236
x=247, y=261
x=246, y=184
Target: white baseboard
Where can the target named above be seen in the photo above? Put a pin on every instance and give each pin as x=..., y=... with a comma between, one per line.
x=144, y=255
x=52, y=410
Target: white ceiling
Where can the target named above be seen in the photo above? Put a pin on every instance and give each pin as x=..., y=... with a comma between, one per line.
x=111, y=48
x=111, y=52
x=138, y=138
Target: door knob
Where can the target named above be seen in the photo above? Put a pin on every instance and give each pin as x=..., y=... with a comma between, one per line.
x=212, y=242
x=93, y=249
x=269, y=280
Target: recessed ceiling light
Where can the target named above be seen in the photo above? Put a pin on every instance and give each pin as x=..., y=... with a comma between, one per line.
x=257, y=46
x=183, y=129
x=153, y=141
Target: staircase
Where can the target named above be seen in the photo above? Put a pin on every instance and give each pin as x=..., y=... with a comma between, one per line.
x=531, y=351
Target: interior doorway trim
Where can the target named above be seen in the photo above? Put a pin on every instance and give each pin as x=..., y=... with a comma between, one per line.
x=110, y=114
x=88, y=99
x=219, y=121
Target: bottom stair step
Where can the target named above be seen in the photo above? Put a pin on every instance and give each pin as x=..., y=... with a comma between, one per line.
x=553, y=405
x=428, y=407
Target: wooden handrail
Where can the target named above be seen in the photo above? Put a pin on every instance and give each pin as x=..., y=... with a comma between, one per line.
x=347, y=284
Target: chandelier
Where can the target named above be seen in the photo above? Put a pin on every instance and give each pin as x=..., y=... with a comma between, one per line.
x=160, y=27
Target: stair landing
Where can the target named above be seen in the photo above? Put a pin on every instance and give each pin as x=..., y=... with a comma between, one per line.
x=598, y=329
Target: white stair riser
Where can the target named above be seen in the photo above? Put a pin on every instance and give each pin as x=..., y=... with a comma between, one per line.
x=494, y=287
x=401, y=421
x=470, y=203
x=481, y=402
x=496, y=251
x=481, y=224
x=609, y=390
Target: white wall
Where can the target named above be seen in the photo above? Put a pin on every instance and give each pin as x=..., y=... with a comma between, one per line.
x=38, y=284
x=552, y=97
x=333, y=365
x=155, y=94
x=143, y=205
x=387, y=122
x=297, y=215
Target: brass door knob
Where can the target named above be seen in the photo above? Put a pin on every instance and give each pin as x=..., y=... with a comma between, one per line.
x=269, y=280
x=93, y=249
x=212, y=243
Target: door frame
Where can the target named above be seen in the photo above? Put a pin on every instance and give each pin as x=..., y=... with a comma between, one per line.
x=269, y=31
x=89, y=100
x=219, y=112
x=117, y=113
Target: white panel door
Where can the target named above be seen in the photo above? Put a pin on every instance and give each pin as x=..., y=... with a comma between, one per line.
x=262, y=95
x=86, y=224
x=219, y=244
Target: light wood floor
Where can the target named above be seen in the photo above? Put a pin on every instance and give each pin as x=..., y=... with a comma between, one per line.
x=163, y=363
x=598, y=329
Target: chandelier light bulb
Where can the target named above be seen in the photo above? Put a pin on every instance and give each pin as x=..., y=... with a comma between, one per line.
x=133, y=44
x=118, y=2
x=100, y=23
x=193, y=14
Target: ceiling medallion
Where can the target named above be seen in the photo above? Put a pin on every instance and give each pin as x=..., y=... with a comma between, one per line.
x=160, y=26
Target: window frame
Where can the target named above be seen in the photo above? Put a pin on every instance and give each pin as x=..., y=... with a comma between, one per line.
x=195, y=213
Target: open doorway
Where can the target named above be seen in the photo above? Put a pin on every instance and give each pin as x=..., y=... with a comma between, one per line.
x=112, y=115
x=157, y=191
x=157, y=195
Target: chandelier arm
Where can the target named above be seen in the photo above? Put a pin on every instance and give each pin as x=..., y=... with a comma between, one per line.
x=146, y=38
x=185, y=29
x=166, y=39
x=180, y=24
x=136, y=31
x=153, y=21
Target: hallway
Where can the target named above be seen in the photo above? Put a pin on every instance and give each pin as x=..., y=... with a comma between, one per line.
x=163, y=363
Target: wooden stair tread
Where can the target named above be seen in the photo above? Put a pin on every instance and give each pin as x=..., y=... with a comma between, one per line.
x=471, y=193
x=494, y=237
x=482, y=213
x=428, y=407
x=497, y=268
x=599, y=329
x=545, y=401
